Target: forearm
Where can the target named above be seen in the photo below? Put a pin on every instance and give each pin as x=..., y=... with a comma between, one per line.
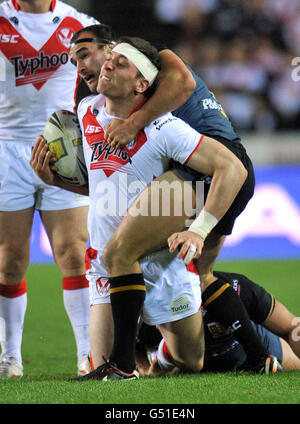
x=170, y=94
x=84, y=190
x=174, y=87
x=224, y=187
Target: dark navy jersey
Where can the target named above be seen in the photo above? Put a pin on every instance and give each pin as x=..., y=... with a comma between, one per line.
x=203, y=112
x=258, y=302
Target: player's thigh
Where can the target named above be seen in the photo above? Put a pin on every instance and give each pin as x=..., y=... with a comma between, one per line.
x=281, y=321
x=162, y=212
x=290, y=360
x=67, y=230
x=185, y=339
x=15, y=231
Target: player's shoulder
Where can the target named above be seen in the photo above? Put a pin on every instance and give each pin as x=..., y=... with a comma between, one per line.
x=231, y=277
x=94, y=101
x=66, y=10
x=85, y=103
x=6, y=9
x=163, y=124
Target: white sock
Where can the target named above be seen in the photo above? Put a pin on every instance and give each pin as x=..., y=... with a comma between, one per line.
x=163, y=361
x=77, y=305
x=12, y=312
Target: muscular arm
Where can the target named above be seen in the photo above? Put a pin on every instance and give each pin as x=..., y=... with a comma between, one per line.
x=228, y=176
x=227, y=171
x=175, y=85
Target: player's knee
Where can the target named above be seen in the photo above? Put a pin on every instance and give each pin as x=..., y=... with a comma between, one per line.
x=117, y=255
x=189, y=361
x=70, y=255
x=191, y=364
x=13, y=266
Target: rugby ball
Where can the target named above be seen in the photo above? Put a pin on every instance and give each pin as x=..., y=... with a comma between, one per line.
x=63, y=135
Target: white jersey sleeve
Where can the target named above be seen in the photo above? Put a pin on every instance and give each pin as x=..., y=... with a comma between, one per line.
x=175, y=138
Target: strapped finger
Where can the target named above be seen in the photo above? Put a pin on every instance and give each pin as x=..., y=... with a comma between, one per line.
x=190, y=254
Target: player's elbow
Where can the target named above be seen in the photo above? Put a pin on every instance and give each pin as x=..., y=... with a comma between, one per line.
x=241, y=172
x=187, y=84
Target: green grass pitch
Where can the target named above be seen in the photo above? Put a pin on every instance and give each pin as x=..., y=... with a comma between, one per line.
x=50, y=362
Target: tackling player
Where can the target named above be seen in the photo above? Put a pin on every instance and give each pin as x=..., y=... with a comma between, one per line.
x=274, y=323
x=38, y=79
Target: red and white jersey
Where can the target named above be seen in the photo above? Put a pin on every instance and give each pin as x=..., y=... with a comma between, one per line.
x=36, y=75
x=117, y=176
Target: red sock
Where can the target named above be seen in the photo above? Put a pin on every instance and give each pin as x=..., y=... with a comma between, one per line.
x=7, y=290
x=74, y=283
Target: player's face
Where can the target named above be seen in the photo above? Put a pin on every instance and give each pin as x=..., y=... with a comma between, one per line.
x=118, y=77
x=88, y=57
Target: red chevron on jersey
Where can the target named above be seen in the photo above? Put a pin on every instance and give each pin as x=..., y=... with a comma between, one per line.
x=37, y=66
x=104, y=156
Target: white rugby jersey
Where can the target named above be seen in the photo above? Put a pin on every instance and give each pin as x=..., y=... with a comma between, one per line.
x=36, y=75
x=117, y=176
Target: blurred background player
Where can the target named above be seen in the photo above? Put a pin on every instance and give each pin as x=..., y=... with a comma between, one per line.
x=39, y=79
x=274, y=324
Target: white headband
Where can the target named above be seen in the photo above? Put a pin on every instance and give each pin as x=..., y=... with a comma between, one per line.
x=144, y=65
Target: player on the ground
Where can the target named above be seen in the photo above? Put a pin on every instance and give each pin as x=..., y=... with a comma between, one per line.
x=274, y=323
x=124, y=87
x=37, y=78
x=174, y=86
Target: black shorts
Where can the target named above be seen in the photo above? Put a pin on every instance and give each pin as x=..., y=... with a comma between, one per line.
x=225, y=225
x=235, y=358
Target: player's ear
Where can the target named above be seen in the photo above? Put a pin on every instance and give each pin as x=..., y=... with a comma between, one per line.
x=142, y=85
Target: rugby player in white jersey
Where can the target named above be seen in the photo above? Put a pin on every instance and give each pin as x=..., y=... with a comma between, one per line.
x=37, y=78
x=124, y=78
x=175, y=83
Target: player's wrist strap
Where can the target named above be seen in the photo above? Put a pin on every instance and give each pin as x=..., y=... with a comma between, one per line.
x=203, y=224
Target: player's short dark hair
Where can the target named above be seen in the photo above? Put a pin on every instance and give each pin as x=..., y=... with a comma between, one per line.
x=99, y=31
x=149, y=51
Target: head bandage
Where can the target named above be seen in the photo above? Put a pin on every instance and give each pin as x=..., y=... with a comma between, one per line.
x=140, y=61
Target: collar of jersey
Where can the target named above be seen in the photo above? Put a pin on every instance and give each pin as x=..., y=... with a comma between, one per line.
x=99, y=101
x=17, y=7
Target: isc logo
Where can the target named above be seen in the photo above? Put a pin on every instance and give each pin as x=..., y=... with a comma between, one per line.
x=92, y=129
x=9, y=38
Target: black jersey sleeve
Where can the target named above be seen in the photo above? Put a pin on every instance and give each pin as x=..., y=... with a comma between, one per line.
x=258, y=302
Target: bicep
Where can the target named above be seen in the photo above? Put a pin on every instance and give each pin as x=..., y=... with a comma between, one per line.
x=209, y=156
x=172, y=65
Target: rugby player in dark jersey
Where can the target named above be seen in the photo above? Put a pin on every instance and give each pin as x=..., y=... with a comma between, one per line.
x=274, y=323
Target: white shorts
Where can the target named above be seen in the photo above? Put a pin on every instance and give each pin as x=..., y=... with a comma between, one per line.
x=20, y=188
x=172, y=291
